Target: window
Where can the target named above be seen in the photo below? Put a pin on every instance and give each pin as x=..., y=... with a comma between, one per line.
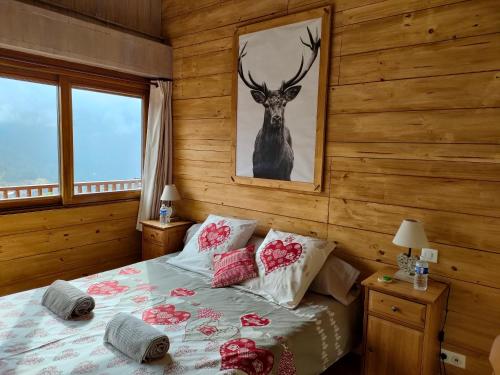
x=29, y=156
x=69, y=136
x=107, y=135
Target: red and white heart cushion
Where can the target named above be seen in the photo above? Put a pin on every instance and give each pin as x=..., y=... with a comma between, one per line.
x=216, y=235
x=213, y=235
x=287, y=265
x=234, y=266
x=276, y=254
x=242, y=354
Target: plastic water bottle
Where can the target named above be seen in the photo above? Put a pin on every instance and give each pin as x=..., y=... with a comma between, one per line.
x=163, y=214
x=421, y=275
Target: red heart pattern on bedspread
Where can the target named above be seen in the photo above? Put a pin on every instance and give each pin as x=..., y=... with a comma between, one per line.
x=165, y=315
x=212, y=236
x=253, y=320
x=276, y=255
x=106, y=288
x=242, y=354
x=129, y=271
x=182, y=292
x=209, y=329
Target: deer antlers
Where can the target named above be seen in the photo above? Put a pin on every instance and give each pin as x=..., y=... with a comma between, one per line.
x=252, y=84
x=313, y=45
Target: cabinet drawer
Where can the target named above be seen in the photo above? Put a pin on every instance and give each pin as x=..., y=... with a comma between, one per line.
x=397, y=308
x=154, y=235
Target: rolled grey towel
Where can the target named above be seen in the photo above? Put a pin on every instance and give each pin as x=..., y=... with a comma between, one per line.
x=135, y=338
x=67, y=301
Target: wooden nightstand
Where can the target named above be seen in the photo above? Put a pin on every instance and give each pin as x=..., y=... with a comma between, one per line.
x=401, y=327
x=158, y=240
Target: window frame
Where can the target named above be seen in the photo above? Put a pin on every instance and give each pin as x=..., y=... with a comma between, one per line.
x=66, y=76
x=67, y=141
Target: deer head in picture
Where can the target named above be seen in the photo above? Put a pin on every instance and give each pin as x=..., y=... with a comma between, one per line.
x=273, y=155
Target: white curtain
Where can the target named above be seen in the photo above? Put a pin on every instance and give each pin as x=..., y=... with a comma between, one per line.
x=157, y=169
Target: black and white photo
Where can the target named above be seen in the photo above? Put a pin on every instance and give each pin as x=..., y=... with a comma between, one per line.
x=278, y=86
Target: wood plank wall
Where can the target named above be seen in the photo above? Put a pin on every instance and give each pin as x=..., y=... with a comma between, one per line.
x=39, y=247
x=413, y=131
x=138, y=15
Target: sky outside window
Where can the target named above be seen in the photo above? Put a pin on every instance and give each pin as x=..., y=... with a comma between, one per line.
x=28, y=133
x=107, y=131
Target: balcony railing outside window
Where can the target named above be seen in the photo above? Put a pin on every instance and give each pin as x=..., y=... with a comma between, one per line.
x=12, y=192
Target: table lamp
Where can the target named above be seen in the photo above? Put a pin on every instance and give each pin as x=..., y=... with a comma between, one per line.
x=169, y=194
x=410, y=234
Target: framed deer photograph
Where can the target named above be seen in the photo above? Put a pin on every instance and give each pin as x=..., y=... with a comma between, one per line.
x=280, y=82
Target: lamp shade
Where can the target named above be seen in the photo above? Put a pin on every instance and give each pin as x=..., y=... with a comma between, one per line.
x=411, y=234
x=170, y=193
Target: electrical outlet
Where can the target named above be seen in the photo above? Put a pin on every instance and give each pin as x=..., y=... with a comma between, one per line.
x=454, y=359
x=430, y=255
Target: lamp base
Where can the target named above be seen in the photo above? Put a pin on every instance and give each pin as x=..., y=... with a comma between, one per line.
x=404, y=276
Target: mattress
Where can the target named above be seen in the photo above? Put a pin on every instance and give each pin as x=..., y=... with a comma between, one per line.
x=211, y=331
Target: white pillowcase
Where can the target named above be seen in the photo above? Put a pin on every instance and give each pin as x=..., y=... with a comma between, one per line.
x=256, y=241
x=287, y=264
x=336, y=279
x=217, y=234
x=191, y=232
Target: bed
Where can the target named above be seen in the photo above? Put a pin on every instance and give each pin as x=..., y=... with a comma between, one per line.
x=212, y=331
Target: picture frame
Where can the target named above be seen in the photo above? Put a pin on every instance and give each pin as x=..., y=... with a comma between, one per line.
x=295, y=162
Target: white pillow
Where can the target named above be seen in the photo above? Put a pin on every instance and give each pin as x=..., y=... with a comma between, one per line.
x=336, y=279
x=217, y=234
x=256, y=241
x=191, y=232
x=287, y=264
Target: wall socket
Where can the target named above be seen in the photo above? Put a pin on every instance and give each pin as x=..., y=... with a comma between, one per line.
x=430, y=255
x=454, y=359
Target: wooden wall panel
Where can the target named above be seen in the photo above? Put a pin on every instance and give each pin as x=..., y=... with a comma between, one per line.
x=217, y=16
x=469, y=18
x=468, y=55
x=424, y=168
x=57, y=218
x=39, y=247
x=203, y=128
x=461, y=152
x=418, y=94
x=137, y=15
x=455, y=127
x=454, y=262
x=427, y=192
x=69, y=274
x=470, y=231
x=414, y=109
x=387, y=8
x=209, y=108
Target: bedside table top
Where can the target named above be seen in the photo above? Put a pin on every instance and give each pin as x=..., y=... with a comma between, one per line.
x=404, y=289
x=156, y=224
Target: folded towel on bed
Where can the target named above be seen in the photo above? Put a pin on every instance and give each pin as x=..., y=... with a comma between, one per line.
x=135, y=338
x=67, y=301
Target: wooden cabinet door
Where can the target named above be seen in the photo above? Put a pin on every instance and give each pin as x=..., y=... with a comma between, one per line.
x=175, y=241
x=152, y=250
x=392, y=349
